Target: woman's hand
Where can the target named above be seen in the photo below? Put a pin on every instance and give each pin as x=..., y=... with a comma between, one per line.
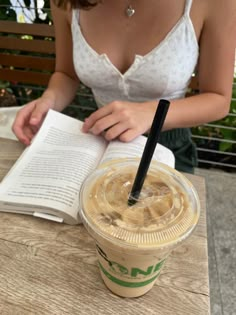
x=29, y=119
x=122, y=120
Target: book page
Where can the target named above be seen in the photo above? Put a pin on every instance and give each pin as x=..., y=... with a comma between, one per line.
x=51, y=170
x=134, y=149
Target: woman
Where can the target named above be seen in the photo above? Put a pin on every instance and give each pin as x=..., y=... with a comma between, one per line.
x=131, y=54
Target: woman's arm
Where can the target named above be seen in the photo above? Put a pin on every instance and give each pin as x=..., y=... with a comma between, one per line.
x=64, y=82
x=62, y=85
x=215, y=70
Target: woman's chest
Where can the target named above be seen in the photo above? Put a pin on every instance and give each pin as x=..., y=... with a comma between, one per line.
x=122, y=38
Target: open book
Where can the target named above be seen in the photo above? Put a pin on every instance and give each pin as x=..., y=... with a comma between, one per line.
x=45, y=181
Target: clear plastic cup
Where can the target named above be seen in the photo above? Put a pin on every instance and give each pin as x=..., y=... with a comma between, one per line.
x=133, y=242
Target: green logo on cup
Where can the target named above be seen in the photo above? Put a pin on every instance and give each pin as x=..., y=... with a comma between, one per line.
x=133, y=273
x=151, y=269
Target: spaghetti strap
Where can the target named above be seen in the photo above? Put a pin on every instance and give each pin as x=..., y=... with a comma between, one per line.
x=75, y=16
x=188, y=5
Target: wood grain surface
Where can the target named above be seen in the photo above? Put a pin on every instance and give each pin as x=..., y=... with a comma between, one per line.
x=51, y=268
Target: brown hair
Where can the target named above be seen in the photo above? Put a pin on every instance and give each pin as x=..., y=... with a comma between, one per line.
x=82, y=4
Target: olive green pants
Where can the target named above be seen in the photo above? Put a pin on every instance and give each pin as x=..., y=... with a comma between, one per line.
x=180, y=143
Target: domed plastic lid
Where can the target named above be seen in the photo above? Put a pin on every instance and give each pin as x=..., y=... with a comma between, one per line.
x=166, y=213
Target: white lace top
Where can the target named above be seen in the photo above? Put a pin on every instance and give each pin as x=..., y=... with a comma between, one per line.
x=164, y=72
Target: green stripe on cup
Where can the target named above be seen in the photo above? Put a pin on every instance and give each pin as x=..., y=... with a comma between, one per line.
x=125, y=283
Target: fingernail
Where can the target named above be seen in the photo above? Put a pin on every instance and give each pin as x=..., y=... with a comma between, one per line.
x=34, y=120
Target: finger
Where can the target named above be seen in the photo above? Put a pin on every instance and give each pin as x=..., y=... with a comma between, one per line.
x=115, y=131
x=29, y=133
x=23, y=138
x=21, y=120
x=94, y=117
x=38, y=116
x=24, y=135
x=129, y=135
x=104, y=123
x=35, y=129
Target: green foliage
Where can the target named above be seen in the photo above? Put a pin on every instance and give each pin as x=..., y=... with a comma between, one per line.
x=6, y=13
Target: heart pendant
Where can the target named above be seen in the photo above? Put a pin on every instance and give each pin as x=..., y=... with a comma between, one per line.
x=130, y=11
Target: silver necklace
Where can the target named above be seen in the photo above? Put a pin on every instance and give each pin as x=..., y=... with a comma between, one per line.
x=129, y=11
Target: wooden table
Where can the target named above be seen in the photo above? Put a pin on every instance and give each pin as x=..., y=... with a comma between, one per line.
x=51, y=268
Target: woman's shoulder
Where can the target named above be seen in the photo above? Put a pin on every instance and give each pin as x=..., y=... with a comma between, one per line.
x=214, y=17
x=220, y=10
x=60, y=13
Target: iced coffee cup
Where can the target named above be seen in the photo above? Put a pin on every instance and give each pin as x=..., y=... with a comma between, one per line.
x=133, y=242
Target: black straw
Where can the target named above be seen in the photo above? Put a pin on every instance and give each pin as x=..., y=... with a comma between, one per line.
x=148, y=151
